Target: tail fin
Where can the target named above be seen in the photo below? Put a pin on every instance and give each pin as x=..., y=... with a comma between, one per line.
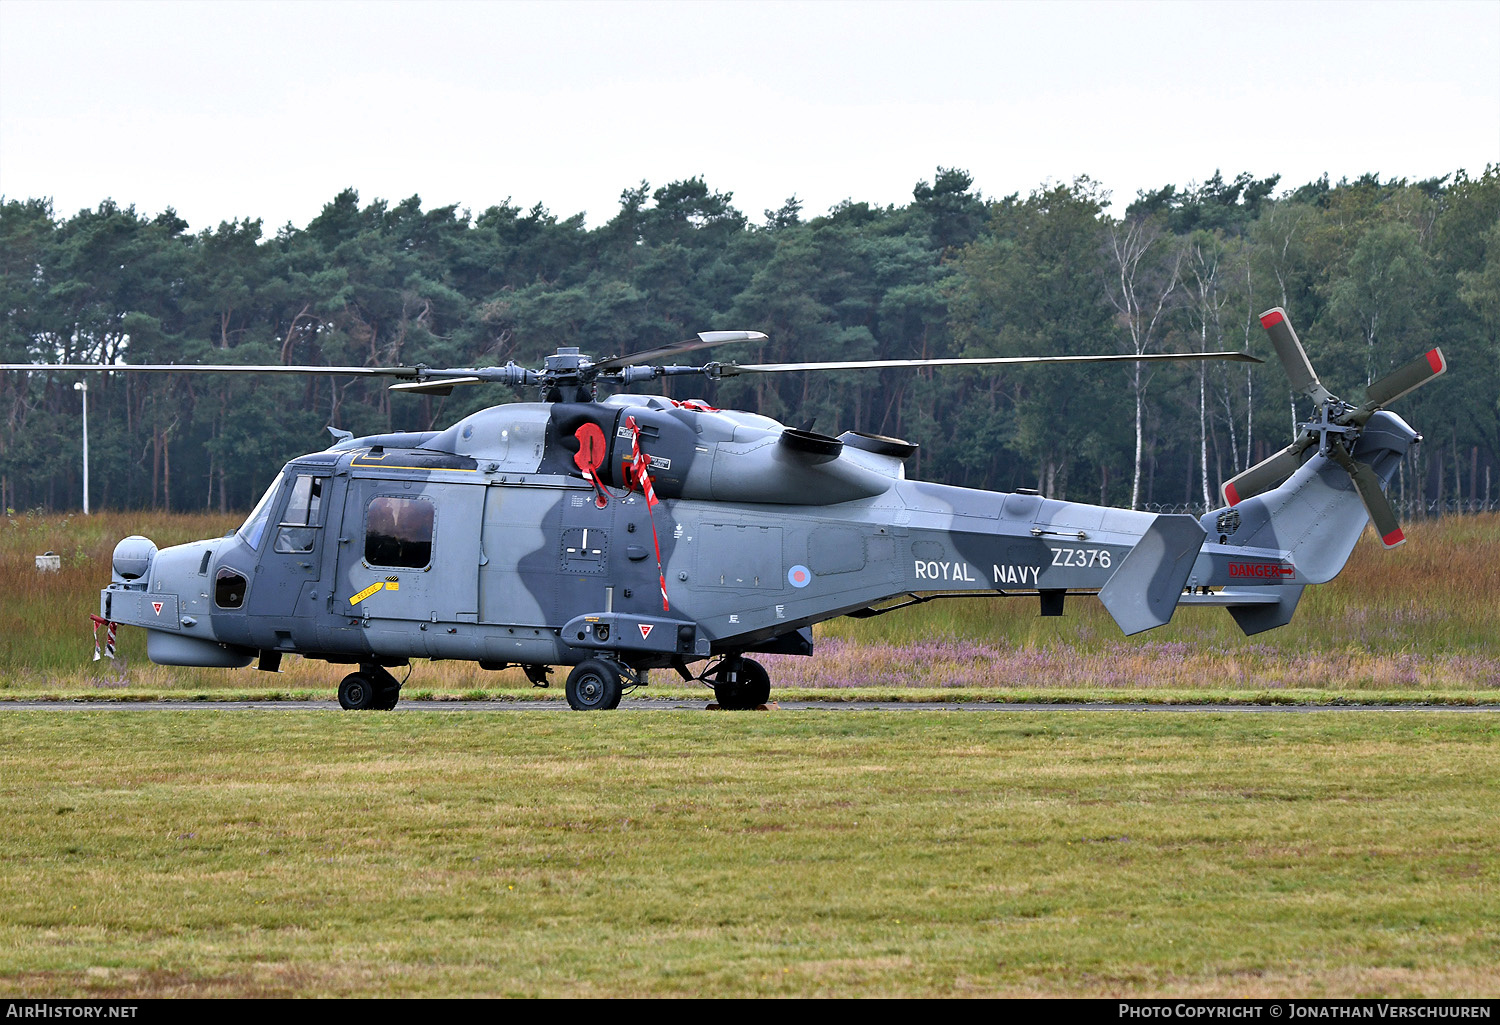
x=1144, y=590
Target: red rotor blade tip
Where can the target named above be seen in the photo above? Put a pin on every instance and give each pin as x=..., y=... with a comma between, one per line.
x=1271, y=319
x=1231, y=495
x=1436, y=362
x=1394, y=538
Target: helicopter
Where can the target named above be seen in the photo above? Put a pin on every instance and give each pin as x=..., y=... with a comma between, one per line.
x=620, y=535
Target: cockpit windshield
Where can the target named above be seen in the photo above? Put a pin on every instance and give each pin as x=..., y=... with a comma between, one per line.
x=255, y=524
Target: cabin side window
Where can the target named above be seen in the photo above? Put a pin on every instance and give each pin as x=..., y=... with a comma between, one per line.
x=398, y=532
x=299, y=525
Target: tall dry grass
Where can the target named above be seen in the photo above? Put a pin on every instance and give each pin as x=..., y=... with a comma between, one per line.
x=44, y=617
x=1423, y=617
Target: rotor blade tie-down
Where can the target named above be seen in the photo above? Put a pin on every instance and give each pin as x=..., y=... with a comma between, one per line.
x=590, y=456
x=639, y=476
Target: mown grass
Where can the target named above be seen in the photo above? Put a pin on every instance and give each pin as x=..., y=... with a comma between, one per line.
x=1422, y=621
x=922, y=853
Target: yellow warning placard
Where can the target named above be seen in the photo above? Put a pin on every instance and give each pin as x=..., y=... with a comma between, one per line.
x=388, y=585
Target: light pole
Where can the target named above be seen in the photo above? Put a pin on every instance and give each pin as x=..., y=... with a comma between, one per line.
x=82, y=386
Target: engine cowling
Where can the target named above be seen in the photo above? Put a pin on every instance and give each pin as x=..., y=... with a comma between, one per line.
x=714, y=455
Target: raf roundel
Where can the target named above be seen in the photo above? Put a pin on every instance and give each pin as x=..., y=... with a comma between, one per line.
x=799, y=576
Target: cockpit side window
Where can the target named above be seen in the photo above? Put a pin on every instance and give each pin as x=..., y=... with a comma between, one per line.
x=398, y=531
x=302, y=507
x=298, y=531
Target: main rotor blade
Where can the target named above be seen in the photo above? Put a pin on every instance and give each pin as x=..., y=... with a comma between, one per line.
x=705, y=339
x=1405, y=380
x=735, y=369
x=213, y=368
x=1293, y=356
x=1268, y=474
x=1367, y=483
x=441, y=386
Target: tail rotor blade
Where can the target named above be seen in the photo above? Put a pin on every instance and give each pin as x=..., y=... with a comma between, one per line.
x=1405, y=380
x=1293, y=356
x=1268, y=474
x=1379, y=506
x=1367, y=483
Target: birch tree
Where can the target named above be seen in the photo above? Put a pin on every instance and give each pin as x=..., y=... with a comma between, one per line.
x=1145, y=264
x=1205, y=258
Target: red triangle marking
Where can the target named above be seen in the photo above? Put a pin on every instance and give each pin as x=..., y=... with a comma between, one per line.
x=157, y=606
x=646, y=629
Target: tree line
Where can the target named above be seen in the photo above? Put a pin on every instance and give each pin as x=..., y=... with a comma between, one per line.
x=1373, y=272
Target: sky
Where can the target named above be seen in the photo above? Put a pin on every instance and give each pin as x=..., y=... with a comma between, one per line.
x=267, y=110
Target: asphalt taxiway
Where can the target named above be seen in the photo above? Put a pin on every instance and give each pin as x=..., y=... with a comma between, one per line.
x=679, y=705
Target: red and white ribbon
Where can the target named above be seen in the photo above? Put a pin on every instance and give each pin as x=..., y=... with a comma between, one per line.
x=638, y=476
x=640, y=464
x=109, y=636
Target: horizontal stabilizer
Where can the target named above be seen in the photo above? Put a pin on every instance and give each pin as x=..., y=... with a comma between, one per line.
x=1143, y=593
x=1255, y=610
x=1233, y=599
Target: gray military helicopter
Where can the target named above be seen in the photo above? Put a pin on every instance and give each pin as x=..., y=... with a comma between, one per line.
x=638, y=532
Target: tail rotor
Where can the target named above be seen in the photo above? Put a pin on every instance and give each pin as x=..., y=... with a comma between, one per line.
x=1336, y=428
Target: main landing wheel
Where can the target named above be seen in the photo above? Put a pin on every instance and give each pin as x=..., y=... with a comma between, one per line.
x=358, y=693
x=370, y=688
x=740, y=683
x=594, y=685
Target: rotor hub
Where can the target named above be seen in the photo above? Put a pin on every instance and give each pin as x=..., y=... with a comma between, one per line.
x=1329, y=426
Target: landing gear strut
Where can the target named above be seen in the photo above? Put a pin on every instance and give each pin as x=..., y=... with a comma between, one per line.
x=370, y=688
x=739, y=683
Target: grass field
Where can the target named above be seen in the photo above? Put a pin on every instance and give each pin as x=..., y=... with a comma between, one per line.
x=296, y=852
x=921, y=853
x=1420, y=623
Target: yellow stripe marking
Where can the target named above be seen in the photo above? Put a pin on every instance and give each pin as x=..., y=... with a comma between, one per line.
x=424, y=469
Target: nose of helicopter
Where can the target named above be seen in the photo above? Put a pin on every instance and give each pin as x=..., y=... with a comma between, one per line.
x=163, y=591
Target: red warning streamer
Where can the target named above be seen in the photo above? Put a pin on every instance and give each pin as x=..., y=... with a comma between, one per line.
x=639, y=477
